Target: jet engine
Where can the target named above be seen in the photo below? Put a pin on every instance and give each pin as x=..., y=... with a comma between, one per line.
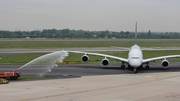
x=84, y=58
x=165, y=63
x=105, y=62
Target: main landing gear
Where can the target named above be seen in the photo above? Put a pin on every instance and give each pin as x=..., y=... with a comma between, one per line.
x=129, y=67
x=147, y=66
x=122, y=66
x=134, y=70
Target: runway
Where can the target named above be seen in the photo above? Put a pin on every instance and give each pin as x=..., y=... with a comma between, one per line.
x=98, y=83
x=97, y=49
x=90, y=69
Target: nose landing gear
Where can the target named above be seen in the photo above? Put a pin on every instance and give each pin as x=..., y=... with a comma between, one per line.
x=135, y=71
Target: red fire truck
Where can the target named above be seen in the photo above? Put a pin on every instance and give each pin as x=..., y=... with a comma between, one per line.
x=12, y=75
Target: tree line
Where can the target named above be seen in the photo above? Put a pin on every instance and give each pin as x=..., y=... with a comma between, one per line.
x=67, y=33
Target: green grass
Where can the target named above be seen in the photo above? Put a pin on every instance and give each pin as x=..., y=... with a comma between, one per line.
x=80, y=43
x=19, y=58
x=74, y=57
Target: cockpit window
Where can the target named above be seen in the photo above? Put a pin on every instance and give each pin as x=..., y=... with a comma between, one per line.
x=135, y=58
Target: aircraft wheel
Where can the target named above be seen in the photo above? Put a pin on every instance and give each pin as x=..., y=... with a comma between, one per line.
x=123, y=66
x=134, y=72
x=147, y=67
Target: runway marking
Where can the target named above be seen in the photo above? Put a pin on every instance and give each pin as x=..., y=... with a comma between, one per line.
x=170, y=75
x=151, y=76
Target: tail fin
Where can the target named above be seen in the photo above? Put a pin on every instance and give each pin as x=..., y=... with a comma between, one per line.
x=135, y=38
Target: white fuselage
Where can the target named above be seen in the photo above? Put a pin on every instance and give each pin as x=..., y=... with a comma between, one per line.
x=135, y=56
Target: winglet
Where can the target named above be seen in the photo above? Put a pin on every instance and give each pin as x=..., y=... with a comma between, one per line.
x=135, y=39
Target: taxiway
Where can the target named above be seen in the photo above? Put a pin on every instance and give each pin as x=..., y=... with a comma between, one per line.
x=98, y=83
x=91, y=69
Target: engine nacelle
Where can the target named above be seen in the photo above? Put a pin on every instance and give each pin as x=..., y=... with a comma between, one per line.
x=105, y=62
x=165, y=63
x=84, y=58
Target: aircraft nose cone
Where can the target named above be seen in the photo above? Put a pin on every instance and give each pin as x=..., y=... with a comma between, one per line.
x=135, y=63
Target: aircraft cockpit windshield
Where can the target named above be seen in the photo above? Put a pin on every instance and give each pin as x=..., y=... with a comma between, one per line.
x=135, y=58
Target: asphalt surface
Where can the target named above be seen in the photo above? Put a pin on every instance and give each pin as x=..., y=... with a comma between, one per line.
x=88, y=69
x=95, y=83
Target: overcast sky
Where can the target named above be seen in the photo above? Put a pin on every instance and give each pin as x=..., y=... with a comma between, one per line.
x=93, y=15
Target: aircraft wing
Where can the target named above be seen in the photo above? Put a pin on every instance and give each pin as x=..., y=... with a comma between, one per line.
x=161, y=57
x=102, y=55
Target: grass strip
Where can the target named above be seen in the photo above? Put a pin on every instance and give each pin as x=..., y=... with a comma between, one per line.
x=74, y=57
x=81, y=43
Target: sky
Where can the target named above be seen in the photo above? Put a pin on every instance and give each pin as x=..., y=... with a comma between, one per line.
x=93, y=15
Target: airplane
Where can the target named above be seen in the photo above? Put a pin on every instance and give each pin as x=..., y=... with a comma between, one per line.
x=135, y=57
